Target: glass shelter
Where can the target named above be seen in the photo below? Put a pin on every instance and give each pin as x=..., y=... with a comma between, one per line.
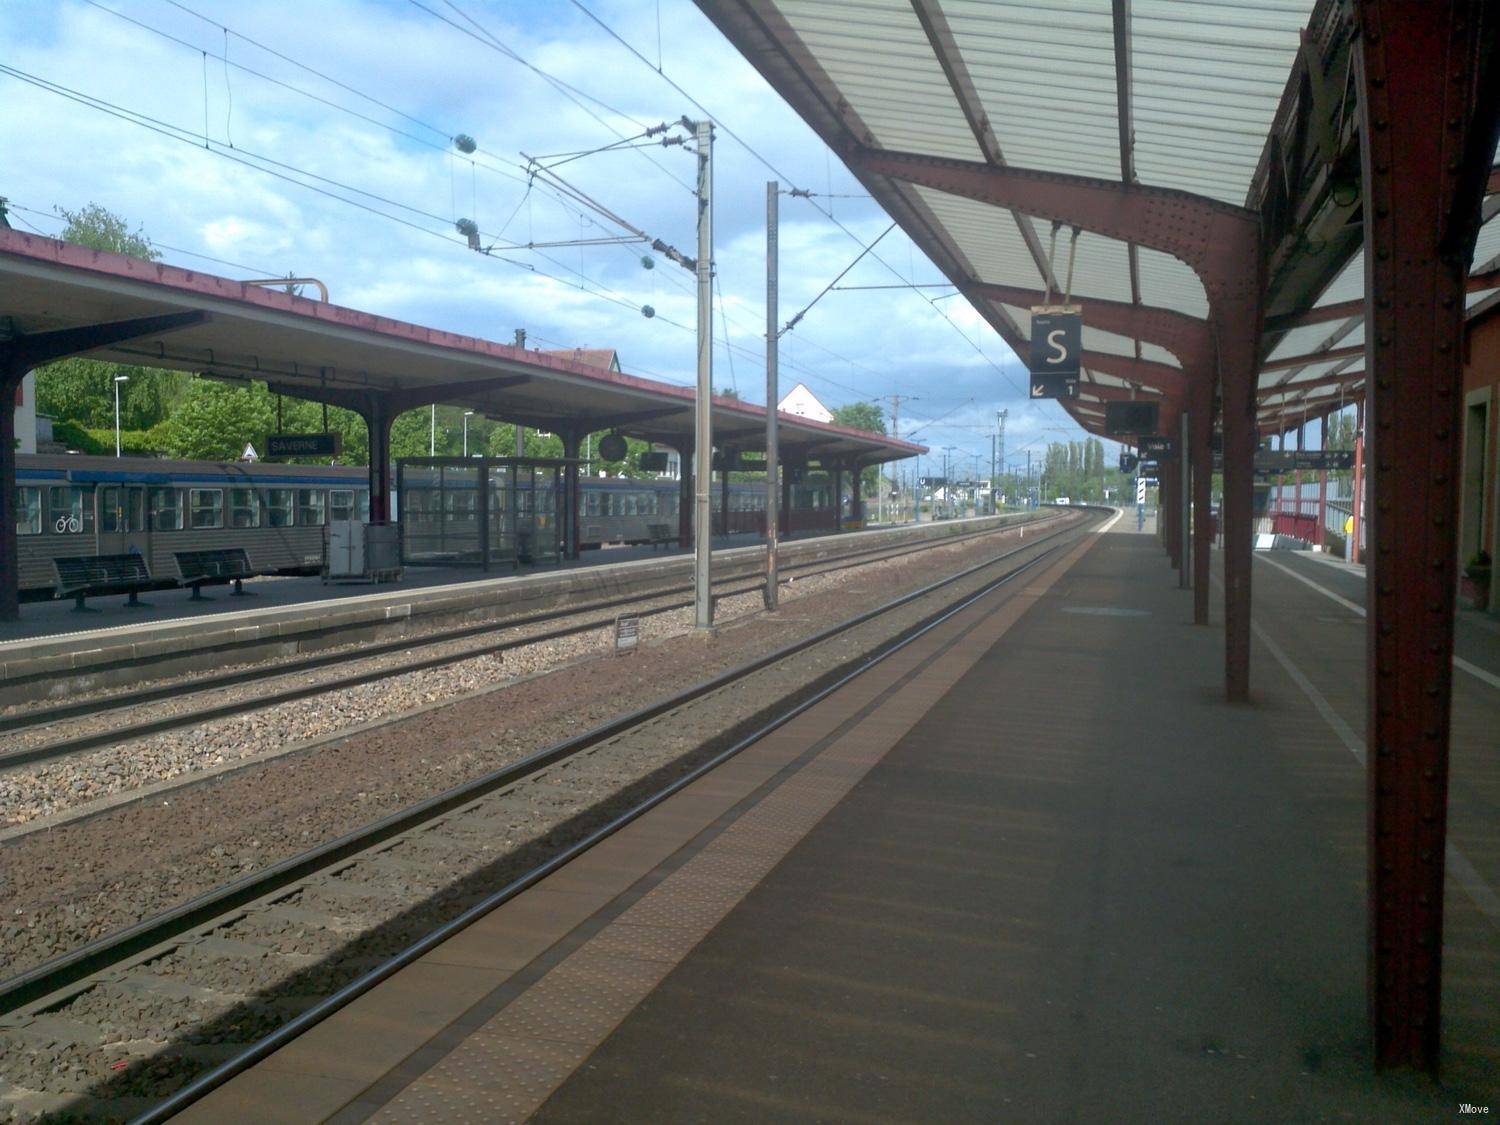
x=485, y=512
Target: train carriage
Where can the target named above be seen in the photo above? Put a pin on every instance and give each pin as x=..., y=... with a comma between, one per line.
x=77, y=505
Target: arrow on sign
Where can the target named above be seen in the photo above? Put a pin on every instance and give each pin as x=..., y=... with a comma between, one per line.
x=1038, y=390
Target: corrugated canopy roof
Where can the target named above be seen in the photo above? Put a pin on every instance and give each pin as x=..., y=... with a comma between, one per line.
x=1169, y=93
x=299, y=344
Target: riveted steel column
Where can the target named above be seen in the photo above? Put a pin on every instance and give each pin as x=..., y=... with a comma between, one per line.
x=378, y=424
x=1416, y=69
x=685, y=495
x=838, y=496
x=1237, y=330
x=1184, y=504
x=1200, y=439
x=10, y=566
x=572, y=442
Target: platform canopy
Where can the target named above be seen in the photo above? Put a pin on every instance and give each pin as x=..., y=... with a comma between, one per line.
x=924, y=98
x=230, y=330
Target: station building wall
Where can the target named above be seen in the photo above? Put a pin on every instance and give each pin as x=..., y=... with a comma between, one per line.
x=1479, y=518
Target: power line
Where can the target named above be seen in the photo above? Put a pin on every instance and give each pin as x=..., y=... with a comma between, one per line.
x=801, y=192
x=482, y=35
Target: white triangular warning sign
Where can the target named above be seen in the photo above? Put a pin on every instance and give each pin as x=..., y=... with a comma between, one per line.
x=249, y=454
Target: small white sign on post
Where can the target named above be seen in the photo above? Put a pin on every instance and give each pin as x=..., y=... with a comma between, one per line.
x=627, y=634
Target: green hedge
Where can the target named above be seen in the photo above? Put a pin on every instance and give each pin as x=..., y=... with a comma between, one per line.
x=133, y=443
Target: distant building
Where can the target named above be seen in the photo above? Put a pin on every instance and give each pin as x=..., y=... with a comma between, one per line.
x=803, y=403
x=607, y=358
x=26, y=415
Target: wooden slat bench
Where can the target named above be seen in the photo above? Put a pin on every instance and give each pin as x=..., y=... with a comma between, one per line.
x=89, y=576
x=215, y=567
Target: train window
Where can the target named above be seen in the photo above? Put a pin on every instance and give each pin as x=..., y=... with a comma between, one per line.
x=364, y=504
x=310, y=503
x=111, y=515
x=166, y=509
x=28, y=510
x=278, y=507
x=70, y=510
x=206, y=507
x=341, y=504
x=244, y=507
x=591, y=503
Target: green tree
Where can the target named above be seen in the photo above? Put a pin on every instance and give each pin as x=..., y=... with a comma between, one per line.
x=864, y=416
x=215, y=422
x=82, y=390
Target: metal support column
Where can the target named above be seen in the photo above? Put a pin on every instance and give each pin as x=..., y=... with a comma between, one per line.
x=724, y=492
x=1237, y=510
x=838, y=497
x=1201, y=438
x=1427, y=89
x=572, y=444
x=10, y=566
x=1321, y=537
x=685, y=495
x=856, y=495
x=1185, y=525
x=773, y=397
x=786, y=501
x=377, y=416
x=1352, y=550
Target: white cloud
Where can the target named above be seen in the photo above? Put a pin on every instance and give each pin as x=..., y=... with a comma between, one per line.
x=855, y=344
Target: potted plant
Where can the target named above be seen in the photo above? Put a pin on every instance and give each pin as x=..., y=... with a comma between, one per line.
x=1478, y=573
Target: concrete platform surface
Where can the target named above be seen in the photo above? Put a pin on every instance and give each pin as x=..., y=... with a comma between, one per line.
x=1048, y=875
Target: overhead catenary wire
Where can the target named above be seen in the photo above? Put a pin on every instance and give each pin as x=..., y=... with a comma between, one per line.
x=803, y=193
x=842, y=273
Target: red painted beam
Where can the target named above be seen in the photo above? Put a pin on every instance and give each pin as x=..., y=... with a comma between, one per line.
x=1208, y=235
x=1186, y=337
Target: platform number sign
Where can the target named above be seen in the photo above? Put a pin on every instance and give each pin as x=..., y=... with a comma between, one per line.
x=1056, y=346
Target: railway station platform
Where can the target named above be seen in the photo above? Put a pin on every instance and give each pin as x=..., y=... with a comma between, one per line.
x=1033, y=868
x=50, y=618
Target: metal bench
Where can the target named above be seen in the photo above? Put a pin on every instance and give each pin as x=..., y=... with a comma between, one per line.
x=661, y=534
x=89, y=576
x=215, y=567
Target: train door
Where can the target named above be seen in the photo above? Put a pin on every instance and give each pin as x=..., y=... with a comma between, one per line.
x=123, y=524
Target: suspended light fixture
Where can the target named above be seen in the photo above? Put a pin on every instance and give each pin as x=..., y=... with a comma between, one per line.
x=464, y=143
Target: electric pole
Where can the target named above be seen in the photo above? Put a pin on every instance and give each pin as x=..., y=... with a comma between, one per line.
x=773, y=393
x=703, y=425
x=997, y=458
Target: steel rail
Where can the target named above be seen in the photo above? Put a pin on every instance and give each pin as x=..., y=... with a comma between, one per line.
x=63, y=747
x=264, y=1047
x=87, y=960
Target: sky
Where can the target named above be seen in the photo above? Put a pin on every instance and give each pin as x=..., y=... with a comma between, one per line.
x=315, y=139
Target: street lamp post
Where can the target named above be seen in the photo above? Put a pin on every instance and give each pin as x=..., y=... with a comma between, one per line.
x=467, y=415
x=118, y=380
x=432, y=433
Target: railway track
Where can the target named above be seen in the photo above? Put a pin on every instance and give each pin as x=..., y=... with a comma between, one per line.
x=227, y=977
x=174, y=693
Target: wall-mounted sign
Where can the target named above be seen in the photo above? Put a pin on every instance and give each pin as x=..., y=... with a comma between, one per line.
x=1056, y=342
x=1128, y=462
x=1124, y=419
x=654, y=461
x=1155, y=447
x=1054, y=386
x=1269, y=462
x=305, y=445
x=1290, y=460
